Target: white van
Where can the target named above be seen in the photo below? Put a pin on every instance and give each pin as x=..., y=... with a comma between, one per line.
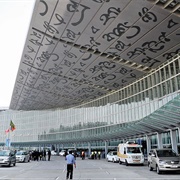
x=130, y=153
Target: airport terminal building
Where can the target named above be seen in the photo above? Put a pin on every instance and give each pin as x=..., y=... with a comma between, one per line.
x=97, y=73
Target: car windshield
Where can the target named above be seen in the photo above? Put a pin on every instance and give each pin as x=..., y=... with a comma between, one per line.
x=19, y=153
x=4, y=153
x=133, y=150
x=166, y=153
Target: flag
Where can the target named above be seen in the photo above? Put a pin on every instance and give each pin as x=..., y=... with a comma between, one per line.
x=7, y=131
x=12, y=126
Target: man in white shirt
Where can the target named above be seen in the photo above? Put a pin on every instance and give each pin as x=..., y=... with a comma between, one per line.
x=70, y=161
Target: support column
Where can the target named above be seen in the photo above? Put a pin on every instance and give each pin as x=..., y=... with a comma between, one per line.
x=173, y=140
x=39, y=147
x=55, y=145
x=75, y=146
x=159, y=140
x=148, y=143
x=179, y=139
x=89, y=149
x=106, y=148
x=58, y=147
x=62, y=146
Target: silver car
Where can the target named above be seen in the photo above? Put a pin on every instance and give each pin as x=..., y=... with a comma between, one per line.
x=163, y=160
x=112, y=156
x=7, y=157
x=22, y=156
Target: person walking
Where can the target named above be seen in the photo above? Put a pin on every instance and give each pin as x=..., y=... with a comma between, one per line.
x=36, y=155
x=83, y=155
x=70, y=159
x=49, y=155
x=40, y=155
x=95, y=154
x=99, y=155
x=44, y=155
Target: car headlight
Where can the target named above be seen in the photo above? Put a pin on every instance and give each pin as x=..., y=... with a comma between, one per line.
x=161, y=162
x=7, y=159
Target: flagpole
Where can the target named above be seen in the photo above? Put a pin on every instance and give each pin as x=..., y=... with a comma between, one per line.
x=9, y=139
x=6, y=139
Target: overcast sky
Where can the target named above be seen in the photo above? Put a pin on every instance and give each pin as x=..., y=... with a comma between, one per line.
x=15, y=17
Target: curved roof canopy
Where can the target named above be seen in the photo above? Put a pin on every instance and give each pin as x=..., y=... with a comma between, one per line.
x=165, y=119
x=79, y=50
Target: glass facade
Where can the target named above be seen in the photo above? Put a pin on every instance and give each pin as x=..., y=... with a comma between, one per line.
x=105, y=118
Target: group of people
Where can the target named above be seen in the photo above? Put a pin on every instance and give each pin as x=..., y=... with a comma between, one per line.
x=71, y=161
x=96, y=155
x=93, y=155
x=40, y=155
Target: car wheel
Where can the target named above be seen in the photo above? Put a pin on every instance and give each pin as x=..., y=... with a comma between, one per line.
x=149, y=166
x=157, y=170
x=126, y=163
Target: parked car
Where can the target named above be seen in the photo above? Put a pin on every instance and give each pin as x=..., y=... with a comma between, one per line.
x=7, y=157
x=163, y=160
x=112, y=156
x=53, y=153
x=62, y=152
x=22, y=156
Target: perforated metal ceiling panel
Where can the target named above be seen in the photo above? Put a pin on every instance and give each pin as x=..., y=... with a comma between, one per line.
x=79, y=50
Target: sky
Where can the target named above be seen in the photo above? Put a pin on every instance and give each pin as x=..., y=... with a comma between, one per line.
x=15, y=17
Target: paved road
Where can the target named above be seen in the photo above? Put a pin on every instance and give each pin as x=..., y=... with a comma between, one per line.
x=86, y=170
